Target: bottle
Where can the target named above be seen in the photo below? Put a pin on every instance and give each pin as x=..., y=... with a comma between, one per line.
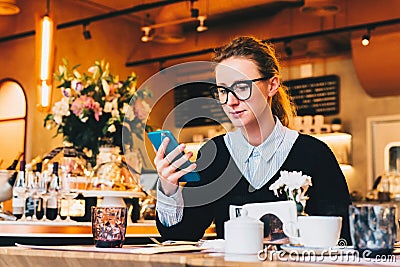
x=30, y=188
x=8, y=187
x=78, y=211
x=14, y=164
x=39, y=200
x=18, y=202
x=54, y=187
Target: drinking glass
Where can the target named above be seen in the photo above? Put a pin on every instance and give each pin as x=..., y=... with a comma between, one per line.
x=109, y=226
x=32, y=190
x=68, y=190
x=373, y=228
x=43, y=192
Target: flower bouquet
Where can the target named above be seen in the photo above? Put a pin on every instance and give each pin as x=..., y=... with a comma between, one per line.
x=97, y=106
x=294, y=185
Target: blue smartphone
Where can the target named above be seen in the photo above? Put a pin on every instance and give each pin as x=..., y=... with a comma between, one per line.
x=156, y=139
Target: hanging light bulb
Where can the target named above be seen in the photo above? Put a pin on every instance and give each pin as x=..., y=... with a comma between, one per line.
x=201, y=27
x=365, y=38
x=146, y=34
x=44, y=59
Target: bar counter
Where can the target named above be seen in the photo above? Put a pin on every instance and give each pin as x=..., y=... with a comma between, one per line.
x=71, y=233
x=21, y=257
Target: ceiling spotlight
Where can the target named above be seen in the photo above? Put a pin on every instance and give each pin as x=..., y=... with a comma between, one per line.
x=201, y=27
x=86, y=32
x=146, y=34
x=365, y=38
x=288, y=49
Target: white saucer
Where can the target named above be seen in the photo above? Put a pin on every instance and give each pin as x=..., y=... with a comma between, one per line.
x=337, y=250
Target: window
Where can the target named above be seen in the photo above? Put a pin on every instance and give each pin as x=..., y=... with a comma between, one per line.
x=13, y=117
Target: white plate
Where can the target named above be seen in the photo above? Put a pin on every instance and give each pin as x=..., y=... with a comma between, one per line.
x=300, y=250
x=111, y=193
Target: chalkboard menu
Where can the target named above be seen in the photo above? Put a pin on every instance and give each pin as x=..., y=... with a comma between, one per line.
x=315, y=95
x=194, y=106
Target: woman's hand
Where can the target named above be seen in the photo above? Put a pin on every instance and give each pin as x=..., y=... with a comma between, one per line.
x=167, y=170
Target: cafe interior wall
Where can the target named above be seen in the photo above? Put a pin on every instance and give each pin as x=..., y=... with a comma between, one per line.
x=118, y=40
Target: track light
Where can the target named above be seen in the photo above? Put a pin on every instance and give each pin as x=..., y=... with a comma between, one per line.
x=366, y=38
x=86, y=33
x=201, y=27
x=288, y=49
x=146, y=34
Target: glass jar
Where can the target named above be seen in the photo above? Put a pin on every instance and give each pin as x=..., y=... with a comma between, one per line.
x=111, y=172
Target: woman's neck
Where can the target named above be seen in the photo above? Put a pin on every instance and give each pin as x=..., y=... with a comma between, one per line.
x=258, y=132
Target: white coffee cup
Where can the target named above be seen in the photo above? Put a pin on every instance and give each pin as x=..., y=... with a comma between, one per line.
x=316, y=231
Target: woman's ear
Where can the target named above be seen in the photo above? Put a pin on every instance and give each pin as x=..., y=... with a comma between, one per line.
x=274, y=86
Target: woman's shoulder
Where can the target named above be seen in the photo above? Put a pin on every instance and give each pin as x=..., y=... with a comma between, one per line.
x=217, y=141
x=309, y=142
x=211, y=146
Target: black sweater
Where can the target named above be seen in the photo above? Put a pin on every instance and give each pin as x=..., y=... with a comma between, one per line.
x=222, y=185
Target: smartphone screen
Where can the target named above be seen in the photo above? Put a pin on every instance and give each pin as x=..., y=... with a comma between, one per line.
x=156, y=139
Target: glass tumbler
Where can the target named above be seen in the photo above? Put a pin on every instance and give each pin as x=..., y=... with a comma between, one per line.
x=109, y=226
x=373, y=228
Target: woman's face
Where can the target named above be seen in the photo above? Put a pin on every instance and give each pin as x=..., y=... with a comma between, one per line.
x=245, y=113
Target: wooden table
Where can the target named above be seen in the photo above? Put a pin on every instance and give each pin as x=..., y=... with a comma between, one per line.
x=21, y=257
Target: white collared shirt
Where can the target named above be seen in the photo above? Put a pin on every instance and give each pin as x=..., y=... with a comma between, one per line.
x=259, y=164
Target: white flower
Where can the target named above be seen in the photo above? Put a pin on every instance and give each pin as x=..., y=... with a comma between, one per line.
x=60, y=109
x=93, y=70
x=128, y=111
x=77, y=74
x=106, y=87
x=294, y=184
x=111, y=128
x=115, y=113
x=62, y=69
x=108, y=107
x=58, y=119
x=115, y=103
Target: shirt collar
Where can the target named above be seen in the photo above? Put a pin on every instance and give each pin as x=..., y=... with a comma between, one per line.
x=241, y=149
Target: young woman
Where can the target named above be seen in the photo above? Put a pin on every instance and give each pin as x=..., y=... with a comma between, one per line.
x=238, y=167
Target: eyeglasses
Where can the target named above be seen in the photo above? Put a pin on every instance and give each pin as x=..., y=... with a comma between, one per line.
x=240, y=89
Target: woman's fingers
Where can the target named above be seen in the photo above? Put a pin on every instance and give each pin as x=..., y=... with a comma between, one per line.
x=181, y=161
x=172, y=167
x=161, y=150
x=175, y=153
